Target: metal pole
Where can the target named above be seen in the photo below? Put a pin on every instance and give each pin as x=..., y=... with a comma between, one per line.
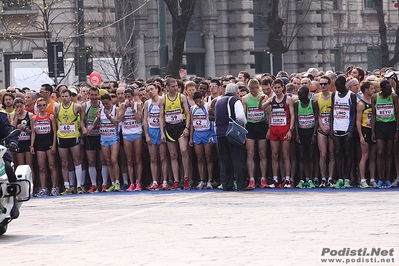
x=81, y=50
x=55, y=64
x=271, y=63
x=163, y=47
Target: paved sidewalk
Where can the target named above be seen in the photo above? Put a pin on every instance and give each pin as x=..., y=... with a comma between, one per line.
x=285, y=227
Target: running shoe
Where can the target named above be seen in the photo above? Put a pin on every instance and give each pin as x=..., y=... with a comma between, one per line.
x=186, y=183
x=209, y=185
x=79, y=190
x=274, y=185
x=316, y=182
x=311, y=184
x=103, y=188
x=200, y=185
x=338, y=184
x=43, y=193
x=111, y=188
x=67, y=191
x=289, y=184
x=191, y=183
x=55, y=191
x=235, y=185
x=263, y=183
x=117, y=187
x=282, y=184
x=165, y=186
x=131, y=187
x=364, y=184
x=154, y=186
x=379, y=184
x=92, y=189
x=322, y=184
x=251, y=183
x=347, y=184
x=388, y=184
x=395, y=183
x=138, y=187
x=175, y=185
x=373, y=184
x=124, y=187
x=329, y=183
x=220, y=187
x=73, y=189
x=301, y=184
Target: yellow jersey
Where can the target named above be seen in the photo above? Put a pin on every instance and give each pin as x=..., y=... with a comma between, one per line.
x=68, y=122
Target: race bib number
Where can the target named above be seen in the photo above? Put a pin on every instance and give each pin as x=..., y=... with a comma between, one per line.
x=279, y=118
x=42, y=127
x=325, y=119
x=306, y=121
x=154, y=120
x=23, y=136
x=108, y=130
x=174, y=117
x=94, y=131
x=130, y=123
x=255, y=114
x=67, y=128
x=368, y=123
x=384, y=110
x=200, y=122
x=341, y=111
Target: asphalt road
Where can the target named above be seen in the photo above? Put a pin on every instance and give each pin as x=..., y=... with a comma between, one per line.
x=208, y=227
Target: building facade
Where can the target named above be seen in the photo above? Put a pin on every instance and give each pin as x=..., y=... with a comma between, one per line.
x=224, y=36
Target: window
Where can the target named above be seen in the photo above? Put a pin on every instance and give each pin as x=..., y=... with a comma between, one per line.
x=335, y=5
x=336, y=64
x=17, y=4
x=373, y=58
x=196, y=64
x=369, y=4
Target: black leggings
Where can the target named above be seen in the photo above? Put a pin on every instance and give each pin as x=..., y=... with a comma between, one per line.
x=10, y=172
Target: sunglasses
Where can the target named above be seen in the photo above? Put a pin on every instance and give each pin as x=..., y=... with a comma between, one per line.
x=10, y=91
x=41, y=105
x=323, y=84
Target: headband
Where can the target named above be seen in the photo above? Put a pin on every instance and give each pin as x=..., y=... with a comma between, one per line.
x=351, y=82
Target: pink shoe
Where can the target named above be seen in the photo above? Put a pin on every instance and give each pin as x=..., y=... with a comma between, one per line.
x=138, y=187
x=130, y=188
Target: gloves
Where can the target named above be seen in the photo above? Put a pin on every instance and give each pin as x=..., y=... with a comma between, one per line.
x=13, y=146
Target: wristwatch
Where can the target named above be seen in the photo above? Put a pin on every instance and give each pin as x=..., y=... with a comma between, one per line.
x=292, y=129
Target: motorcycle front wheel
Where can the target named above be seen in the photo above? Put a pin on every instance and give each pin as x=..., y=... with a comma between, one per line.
x=3, y=229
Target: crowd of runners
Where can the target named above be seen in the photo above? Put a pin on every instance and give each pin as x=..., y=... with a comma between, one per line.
x=305, y=130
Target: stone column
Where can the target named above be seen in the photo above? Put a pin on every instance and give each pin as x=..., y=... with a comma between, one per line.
x=140, y=51
x=210, y=64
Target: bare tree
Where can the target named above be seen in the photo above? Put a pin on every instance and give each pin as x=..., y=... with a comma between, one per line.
x=383, y=36
x=182, y=19
x=279, y=42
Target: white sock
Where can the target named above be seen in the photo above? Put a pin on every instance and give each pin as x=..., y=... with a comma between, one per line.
x=93, y=175
x=83, y=177
x=251, y=178
x=287, y=178
x=113, y=183
x=330, y=179
x=125, y=178
x=66, y=184
x=362, y=180
x=104, y=173
x=372, y=180
x=78, y=171
x=323, y=178
x=156, y=183
x=275, y=178
x=71, y=178
x=117, y=181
